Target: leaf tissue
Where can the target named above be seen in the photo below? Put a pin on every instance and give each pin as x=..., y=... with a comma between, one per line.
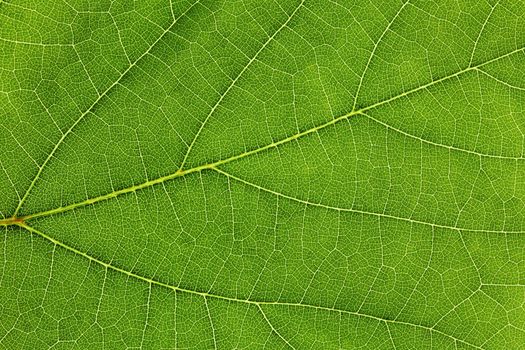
x=278, y=174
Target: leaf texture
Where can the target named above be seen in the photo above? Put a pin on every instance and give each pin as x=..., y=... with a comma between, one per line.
x=298, y=174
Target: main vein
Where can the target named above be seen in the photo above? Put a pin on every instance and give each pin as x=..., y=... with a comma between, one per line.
x=213, y=165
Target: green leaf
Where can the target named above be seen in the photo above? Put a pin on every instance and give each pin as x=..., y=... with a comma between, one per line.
x=303, y=174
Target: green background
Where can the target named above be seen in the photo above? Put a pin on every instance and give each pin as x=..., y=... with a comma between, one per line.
x=262, y=174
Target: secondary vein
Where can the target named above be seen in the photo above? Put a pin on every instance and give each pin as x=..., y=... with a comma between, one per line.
x=257, y=303
x=234, y=81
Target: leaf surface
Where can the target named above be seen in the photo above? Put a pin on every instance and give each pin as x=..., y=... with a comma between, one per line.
x=262, y=174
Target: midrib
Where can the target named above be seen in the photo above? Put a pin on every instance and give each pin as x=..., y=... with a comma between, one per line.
x=15, y=220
